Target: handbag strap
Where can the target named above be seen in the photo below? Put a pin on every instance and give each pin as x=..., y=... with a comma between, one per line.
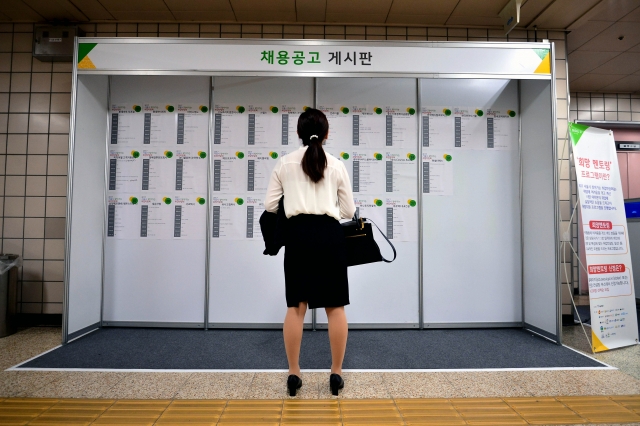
x=385, y=237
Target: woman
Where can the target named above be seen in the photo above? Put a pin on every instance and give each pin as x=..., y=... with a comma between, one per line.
x=317, y=193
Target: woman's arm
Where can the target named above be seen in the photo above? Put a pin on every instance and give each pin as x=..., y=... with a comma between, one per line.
x=274, y=190
x=345, y=195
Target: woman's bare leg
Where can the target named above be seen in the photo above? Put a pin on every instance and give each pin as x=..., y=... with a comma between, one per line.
x=292, y=330
x=338, y=330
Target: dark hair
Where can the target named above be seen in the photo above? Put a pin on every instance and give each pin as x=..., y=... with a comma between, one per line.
x=312, y=129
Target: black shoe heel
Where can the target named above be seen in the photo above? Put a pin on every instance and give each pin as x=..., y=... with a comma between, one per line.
x=293, y=384
x=335, y=383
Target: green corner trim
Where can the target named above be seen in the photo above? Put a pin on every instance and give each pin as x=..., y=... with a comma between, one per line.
x=541, y=52
x=576, y=131
x=84, y=49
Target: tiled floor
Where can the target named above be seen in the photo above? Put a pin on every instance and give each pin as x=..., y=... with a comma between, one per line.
x=490, y=397
x=626, y=359
x=400, y=411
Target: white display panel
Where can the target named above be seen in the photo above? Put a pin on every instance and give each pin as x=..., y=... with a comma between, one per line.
x=84, y=257
x=155, y=248
x=386, y=189
x=255, y=123
x=470, y=205
x=154, y=281
x=539, y=212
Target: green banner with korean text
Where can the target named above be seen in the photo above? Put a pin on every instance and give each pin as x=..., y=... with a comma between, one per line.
x=606, y=240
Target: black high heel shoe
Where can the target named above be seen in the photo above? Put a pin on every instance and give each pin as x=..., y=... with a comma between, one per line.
x=335, y=383
x=293, y=384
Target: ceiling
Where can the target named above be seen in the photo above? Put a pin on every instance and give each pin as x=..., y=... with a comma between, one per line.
x=598, y=60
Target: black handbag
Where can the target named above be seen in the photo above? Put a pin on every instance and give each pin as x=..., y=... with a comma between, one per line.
x=361, y=247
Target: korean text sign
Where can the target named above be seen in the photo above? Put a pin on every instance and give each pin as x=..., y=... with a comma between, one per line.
x=611, y=291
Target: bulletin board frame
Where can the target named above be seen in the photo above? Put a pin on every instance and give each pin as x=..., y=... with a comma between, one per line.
x=420, y=60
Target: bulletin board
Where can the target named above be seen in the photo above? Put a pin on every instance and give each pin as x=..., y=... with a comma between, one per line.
x=155, y=245
x=373, y=126
x=447, y=145
x=471, y=202
x=255, y=121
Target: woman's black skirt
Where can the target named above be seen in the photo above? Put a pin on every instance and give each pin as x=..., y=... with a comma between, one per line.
x=315, y=262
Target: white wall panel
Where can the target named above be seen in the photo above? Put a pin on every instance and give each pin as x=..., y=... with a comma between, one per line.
x=87, y=204
x=247, y=287
x=471, y=239
x=539, y=220
x=380, y=293
x=156, y=281
x=160, y=281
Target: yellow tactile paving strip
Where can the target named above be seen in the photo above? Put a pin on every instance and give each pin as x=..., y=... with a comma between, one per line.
x=333, y=412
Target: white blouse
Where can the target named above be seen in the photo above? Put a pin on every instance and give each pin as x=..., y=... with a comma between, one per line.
x=331, y=195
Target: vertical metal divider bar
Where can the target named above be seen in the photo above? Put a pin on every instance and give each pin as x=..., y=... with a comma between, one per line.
x=207, y=261
x=104, y=199
x=420, y=206
x=67, y=231
x=315, y=105
x=554, y=154
x=572, y=179
x=521, y=201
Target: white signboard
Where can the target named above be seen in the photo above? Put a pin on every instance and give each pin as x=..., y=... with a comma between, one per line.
x=103, y=54
x=611, y=290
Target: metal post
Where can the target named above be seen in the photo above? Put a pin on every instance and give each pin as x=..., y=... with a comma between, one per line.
x=207, y=261
x=315, y=105
x=67, y=240
x=420, y=208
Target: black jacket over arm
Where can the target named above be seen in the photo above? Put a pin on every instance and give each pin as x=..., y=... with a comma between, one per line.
x=274, y=227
